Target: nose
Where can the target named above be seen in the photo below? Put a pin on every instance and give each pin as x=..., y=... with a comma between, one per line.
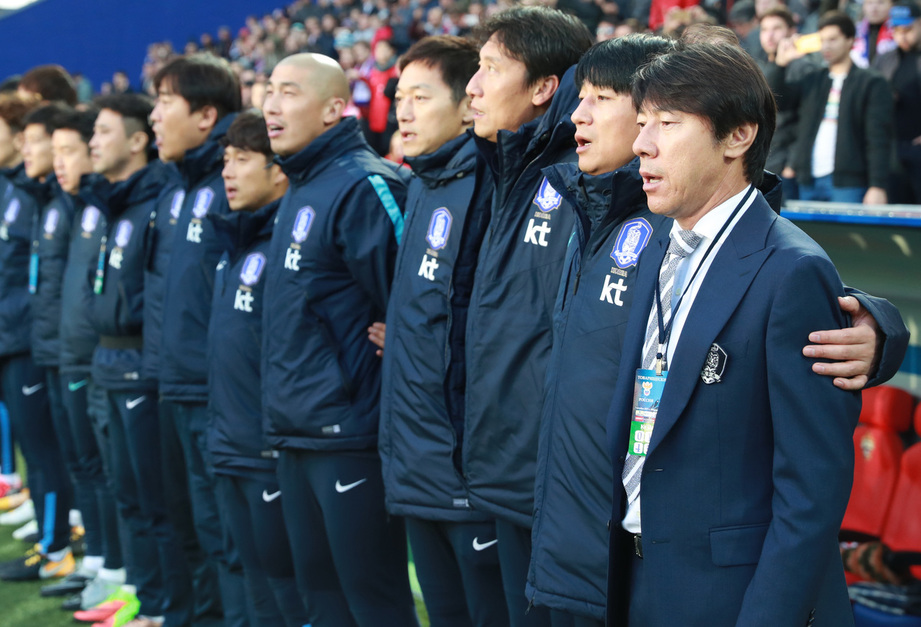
x=269, y=104
x=474, y=88
x=405, y=110
x=643, y=145
x=581, y=114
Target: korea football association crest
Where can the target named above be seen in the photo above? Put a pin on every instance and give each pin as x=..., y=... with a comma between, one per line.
x=547, y=198
x=252, y=269
x=203, y=200
x=90, y=220
x=52, y=218
x=302, y=224
x=175, y=207
x=632, y=239
x=439, y=228
x=12, y=211
x=123, y=233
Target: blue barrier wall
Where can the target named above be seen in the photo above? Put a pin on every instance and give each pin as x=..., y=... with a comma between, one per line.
x=97, y=37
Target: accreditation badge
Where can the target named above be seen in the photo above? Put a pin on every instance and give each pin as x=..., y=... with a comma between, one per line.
x=647, y=394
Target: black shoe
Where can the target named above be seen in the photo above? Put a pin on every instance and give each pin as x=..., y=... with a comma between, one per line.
x=25, y=568
x=72, y=583
x=72, y=603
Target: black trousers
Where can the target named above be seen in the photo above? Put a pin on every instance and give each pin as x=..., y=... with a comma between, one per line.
x=188, y=429
x=25, y=392
x=252, y=505
x=155, y=562
x=349, y=555
x=514, y=557
x=457, y=564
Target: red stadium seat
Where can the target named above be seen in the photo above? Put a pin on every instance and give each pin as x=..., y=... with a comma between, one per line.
x=877, y=453
x=902, y=531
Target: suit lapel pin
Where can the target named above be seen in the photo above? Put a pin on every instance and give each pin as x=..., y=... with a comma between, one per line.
x=714, y=366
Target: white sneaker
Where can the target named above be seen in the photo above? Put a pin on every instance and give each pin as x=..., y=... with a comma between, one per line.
x=26, y=530
x=19, y=516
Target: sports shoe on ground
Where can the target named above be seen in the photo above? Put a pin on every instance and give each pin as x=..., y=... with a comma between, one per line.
x=12, y=501
x=18, y=516
x=23, y=568
x=124, y=615
x=10, y=484
x=56, y=569
x=97, y=591
x=28, y=529
x=105, y=611
x=71, y=584
x=72, y=603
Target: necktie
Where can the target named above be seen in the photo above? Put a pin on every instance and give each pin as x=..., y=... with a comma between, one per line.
x=679, y=248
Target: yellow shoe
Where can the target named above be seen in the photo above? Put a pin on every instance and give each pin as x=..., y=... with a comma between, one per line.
x=61, y=568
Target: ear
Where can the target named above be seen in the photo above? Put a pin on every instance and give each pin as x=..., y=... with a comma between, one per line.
x=332, y=111
x=464, y=107
x=543, y=90
x=137, y=143
x=277, y=175
x=207, y=118
x=740, y=140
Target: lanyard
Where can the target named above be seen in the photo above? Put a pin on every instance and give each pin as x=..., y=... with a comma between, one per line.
x=665, y=330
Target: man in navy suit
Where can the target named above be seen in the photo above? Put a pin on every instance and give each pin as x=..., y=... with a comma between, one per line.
x=738, y=457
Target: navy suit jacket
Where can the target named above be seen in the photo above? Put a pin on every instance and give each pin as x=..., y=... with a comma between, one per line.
x=746, y=480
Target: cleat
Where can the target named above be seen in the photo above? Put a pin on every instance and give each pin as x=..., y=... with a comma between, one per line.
x=58, y=569
x=96, y=592
x=25, y=568
x=71, y=584
x=102, y=612
x=72, y=603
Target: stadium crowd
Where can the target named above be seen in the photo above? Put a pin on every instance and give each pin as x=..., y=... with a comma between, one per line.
x=258, y=357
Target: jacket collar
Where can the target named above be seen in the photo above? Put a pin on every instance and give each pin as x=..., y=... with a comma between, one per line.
x=238, y=230
x=204, y=160
x=454, y=159
x=341, y=138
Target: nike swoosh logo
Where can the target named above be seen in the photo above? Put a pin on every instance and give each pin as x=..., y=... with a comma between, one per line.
x=480, y=547
x=73, y=386
x=268, y=498
x=135, y=402
x=345, y=488
x=29, y=391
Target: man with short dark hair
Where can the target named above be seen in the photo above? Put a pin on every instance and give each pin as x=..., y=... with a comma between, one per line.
x=127, y=191
x=197, y=98
x=247, y=488
x=454, y=546
x=36, y=432
x=844, y=133
x=507, y=273
x=330, y=265
x=740, y=528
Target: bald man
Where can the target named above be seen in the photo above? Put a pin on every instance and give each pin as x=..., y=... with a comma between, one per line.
x=330, y=264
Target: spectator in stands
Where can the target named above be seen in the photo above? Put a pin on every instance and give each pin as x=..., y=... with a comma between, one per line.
x=776, y=25
x=902, y=67
x=874, y=33
x=120, y=83
x=844, y=131
x=379, y=129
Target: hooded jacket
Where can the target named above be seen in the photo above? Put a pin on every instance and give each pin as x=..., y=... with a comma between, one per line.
x=190, y=274
x=118, y=303
x=235, y=342
x=50, y=245
x=419, y=444
x=19, y=212
x=78, y=336
x=508, y=337
x=330, y=266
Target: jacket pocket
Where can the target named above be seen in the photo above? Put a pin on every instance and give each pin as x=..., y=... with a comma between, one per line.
x=737, y=545
x=330, y=341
